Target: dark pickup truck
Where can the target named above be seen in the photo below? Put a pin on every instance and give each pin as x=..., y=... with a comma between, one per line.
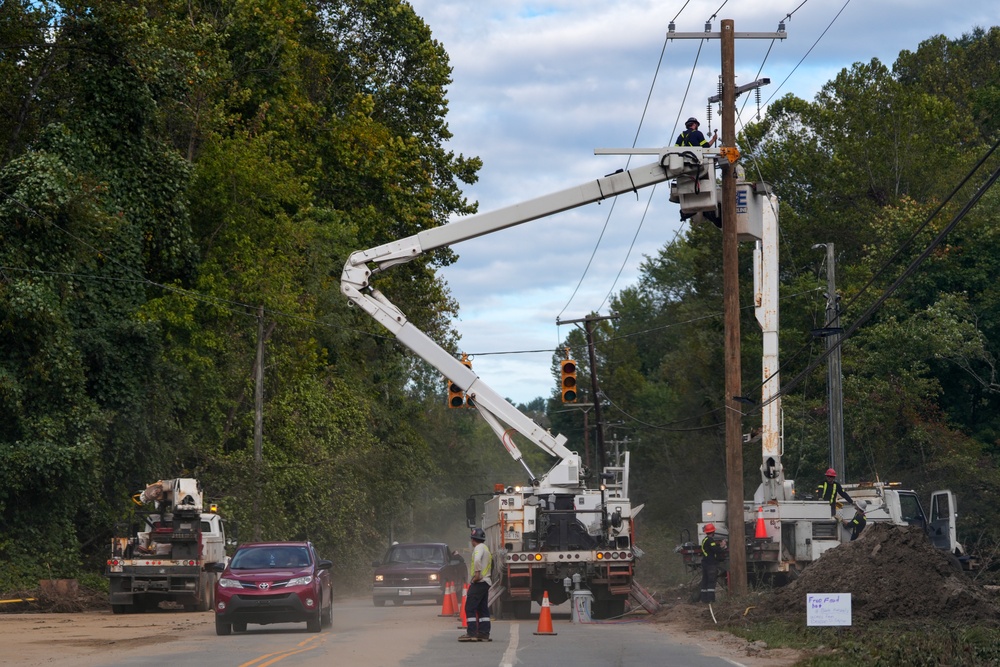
x=417, y=571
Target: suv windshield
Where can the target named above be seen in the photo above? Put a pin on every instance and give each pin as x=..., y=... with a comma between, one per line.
x=416, y=554
x=263, y=558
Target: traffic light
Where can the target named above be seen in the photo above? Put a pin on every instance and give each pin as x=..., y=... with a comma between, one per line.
x=456, y=398
x=468, y=399
x=567, y=369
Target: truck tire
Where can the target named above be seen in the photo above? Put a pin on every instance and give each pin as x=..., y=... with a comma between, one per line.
x=221, y=628
x=121, y=608
x=378, y=602
x=206, y=599
x=239, y=627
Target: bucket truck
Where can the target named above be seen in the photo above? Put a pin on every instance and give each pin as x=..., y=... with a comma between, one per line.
x=170, y=554
x=785, y=531
x=553, y=527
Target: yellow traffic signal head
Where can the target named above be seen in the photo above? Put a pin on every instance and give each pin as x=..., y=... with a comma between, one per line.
x=456, y=397
x=567, y=385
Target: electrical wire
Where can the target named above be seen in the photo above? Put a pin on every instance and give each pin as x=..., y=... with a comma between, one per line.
x=807, y=52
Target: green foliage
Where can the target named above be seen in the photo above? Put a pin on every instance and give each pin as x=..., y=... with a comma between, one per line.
x=883, y=644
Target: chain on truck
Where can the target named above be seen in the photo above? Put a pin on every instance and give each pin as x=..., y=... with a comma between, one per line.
x=166, y=552
x=555, y=535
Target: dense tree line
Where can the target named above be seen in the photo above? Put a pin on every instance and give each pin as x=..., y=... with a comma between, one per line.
x=864, y=166
x=180, y=180
x=169, y=171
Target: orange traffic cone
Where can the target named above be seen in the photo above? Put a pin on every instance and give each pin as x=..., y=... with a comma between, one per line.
x=461, y=609
x=454, y=598
x=448, y=604
x=545, y=617
x=761, y=530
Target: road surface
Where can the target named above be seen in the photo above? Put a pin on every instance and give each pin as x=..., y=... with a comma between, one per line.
x=362, y=635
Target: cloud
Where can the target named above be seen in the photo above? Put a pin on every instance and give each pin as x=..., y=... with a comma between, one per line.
x=538, y=85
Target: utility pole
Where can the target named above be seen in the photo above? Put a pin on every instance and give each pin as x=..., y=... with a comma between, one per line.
x=731, y=316
x=834, y=378
x=730, y=294
x=588, y=326
x=258, y=418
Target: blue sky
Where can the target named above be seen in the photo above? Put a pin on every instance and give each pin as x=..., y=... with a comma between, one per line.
x=537, y=86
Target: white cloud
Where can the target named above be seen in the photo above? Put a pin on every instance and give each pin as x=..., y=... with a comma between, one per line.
x=539, y=85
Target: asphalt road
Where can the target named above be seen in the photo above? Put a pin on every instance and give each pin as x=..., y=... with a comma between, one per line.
x=413, y=635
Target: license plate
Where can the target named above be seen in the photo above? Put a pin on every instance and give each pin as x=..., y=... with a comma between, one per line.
x=403, y=592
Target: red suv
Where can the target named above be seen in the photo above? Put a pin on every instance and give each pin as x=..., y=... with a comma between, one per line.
x=274, y=582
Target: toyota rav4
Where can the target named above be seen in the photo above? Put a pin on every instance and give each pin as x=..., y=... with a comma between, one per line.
x=274, y=582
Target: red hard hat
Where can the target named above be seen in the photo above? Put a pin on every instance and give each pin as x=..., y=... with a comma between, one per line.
x=709, y=527
x=830, y=472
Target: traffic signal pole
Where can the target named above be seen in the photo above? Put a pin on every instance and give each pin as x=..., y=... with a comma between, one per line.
x=588, y=327
x=730, y=296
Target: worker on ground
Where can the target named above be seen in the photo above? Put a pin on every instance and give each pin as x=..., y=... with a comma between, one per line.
x=713, y=552
x=477, y=599
x=829, y=490
x=858, y=523
x=692, y=136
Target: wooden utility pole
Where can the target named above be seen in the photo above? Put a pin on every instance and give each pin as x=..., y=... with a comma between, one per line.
x=731, y=315
x=730, y=290
x=258, y=418
x=834, y=376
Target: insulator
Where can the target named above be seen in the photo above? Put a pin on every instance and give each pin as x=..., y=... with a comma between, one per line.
x=781, y=26
x=757, y=91
x=671, y=27
x=708, y=26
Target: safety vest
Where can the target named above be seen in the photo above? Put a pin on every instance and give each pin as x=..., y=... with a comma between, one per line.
x=682, y=140
x=478, y=550
x=829, y=491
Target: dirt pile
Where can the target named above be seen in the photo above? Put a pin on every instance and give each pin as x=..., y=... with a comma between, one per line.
x=890, y=572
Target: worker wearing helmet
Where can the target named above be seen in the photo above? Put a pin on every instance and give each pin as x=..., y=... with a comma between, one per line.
x=830, y=489
x=477, y=603
x=713, y=552
x=692, y=136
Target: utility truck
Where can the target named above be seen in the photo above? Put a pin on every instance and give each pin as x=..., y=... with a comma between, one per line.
x=168, y=552
x=555, y=532
x=786, y=530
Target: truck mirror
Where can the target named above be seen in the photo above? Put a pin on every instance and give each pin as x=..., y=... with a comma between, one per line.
x=470, y=512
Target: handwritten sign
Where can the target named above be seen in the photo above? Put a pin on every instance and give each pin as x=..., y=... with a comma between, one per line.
x=828, y=609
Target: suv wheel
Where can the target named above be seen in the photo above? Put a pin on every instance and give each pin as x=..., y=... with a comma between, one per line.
x=221, y=628
x=315, y=624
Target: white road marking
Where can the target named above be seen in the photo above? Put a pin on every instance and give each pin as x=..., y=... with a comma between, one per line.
x=510, y=655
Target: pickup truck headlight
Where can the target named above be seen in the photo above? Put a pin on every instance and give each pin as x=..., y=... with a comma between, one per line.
x=379, y=578
x=229, y=583
x=433, y=577
x=300, y=581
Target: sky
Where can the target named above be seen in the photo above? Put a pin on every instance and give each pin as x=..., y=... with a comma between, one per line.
x=538, y=85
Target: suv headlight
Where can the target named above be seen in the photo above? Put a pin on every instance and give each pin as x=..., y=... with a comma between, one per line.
x=379, y=578
x=300, y=581
x=229, y=583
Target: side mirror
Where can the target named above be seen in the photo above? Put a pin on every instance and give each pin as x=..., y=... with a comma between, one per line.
x=324, y=565
x=215, y=567
x=376, y=563
x=470, y=512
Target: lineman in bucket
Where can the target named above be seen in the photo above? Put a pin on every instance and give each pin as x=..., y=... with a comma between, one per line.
x=477, y=602
x=713, y=552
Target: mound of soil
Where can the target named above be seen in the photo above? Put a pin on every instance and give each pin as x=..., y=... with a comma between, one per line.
x=891, y=572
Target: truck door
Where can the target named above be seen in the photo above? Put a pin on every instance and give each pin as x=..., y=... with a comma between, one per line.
x=942, y=520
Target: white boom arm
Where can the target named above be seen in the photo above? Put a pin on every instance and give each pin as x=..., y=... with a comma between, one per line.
x=697, y=164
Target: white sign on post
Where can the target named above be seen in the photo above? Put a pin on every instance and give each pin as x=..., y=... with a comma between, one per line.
x=828, y=609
